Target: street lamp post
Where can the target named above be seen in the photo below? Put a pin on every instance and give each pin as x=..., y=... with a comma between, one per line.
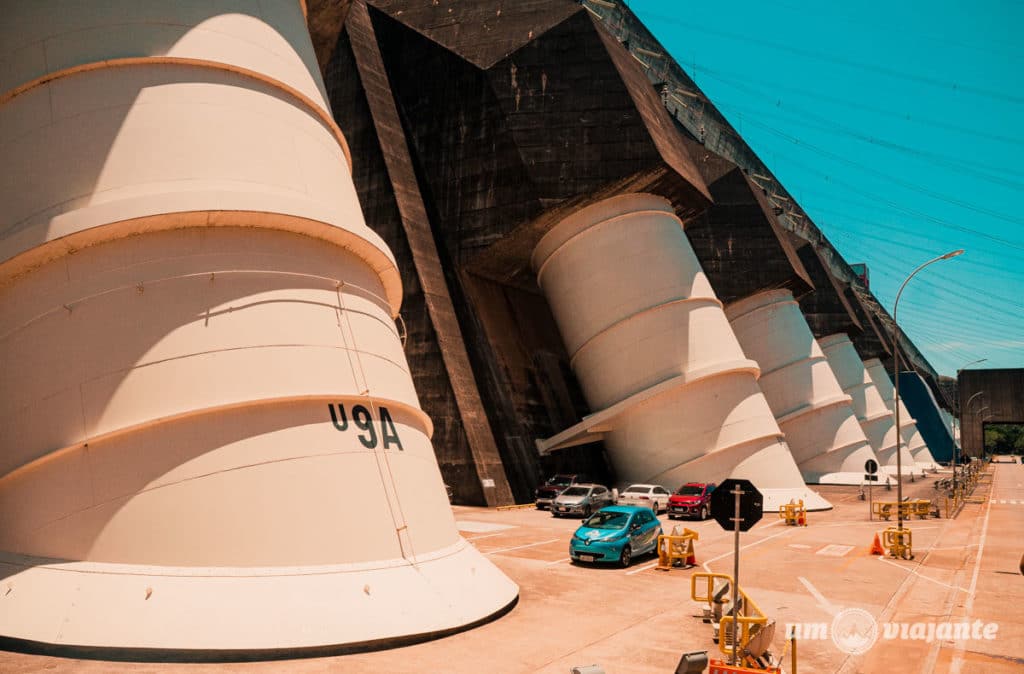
x=896, y=380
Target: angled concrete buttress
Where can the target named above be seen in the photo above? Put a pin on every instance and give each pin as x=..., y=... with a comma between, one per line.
x=798, y=383
x=676, y=399
x=911, y=443
x=874, y=416
x=211, y=442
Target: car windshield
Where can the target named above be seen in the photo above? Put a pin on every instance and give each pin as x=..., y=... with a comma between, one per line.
x=575, y=491
x=636, y=490
x=605, y=519
x=560, y=481
x=690, y=490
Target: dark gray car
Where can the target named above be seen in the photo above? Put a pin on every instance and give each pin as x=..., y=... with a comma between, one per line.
x=581, y=499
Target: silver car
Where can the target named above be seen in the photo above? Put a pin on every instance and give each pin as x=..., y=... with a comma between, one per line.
x=652, y=496
x=581, y=499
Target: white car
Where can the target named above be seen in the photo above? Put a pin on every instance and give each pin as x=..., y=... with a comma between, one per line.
x=652, y=496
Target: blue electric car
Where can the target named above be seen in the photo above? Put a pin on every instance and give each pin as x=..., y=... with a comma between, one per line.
x=615, y=535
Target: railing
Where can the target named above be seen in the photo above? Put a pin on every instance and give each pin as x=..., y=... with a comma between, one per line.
x=750, y=618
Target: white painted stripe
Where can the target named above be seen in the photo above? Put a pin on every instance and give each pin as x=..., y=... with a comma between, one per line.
x=958, y=656
x=473, y=538
x=644, y=568
x=800, y=546
x=831, y=608
x=481, y=527
x=744, y=547
x=560, y=561
x=915, y=572
x=520, y=547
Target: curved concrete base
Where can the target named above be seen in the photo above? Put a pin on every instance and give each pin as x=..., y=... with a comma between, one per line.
x=168, y=613
x=775, y=498
x=909, y=470
x=850, y=479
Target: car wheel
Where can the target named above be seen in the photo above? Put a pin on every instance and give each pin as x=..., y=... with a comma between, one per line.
x=703, y=512
x=657, y=508
x=626, y=557
x=671, y=516
x=586, y=512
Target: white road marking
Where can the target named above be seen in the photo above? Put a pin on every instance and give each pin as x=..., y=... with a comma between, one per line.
x=915, y=572
x=644, y=568
x=520, y=547
x=800, y=546
x=958, y=655
x=559, y=561
x=473, y=538
x=480, y=527
x=749, y=545
x=834, y=550
x=829, y=607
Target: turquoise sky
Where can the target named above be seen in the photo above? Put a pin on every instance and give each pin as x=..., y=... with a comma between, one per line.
x=898, y=126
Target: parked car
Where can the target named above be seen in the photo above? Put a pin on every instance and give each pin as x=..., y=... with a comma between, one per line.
x=581, y=499
x=615, y=535
x=693, y=499
x=652, y=496
x=555, y=485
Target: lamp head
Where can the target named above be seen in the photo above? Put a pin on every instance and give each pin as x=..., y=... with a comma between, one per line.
x=952, y=254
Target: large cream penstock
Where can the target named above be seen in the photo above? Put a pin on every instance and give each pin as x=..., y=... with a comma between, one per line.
x=673, y=395
x=211, y=437
x=875, y=418
x=811, y=407
x=911, y=441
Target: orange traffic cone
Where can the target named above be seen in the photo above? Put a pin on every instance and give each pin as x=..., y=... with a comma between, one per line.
x=876, y=547
x=691, y=557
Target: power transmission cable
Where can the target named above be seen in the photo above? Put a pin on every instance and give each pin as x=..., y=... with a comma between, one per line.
x=725, y=76
x=894, y=179
x=651, y=18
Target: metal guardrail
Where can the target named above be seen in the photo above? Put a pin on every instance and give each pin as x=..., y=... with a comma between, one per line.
x=750, y=618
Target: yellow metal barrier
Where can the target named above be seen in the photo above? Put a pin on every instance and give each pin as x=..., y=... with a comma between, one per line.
x=517, y=506
x=676, y=547
x=751, y=618
x=899, y=542
x=920, y=507
x=794, y=514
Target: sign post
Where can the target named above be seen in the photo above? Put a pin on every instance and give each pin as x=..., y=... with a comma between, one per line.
x=740, y=512
x=870, y=474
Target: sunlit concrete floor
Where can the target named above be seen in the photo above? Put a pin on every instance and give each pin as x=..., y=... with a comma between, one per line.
x=640, y=620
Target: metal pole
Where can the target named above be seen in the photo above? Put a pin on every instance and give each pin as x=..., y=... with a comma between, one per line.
x=896, y=405
x=737, y=492
x=896, y=381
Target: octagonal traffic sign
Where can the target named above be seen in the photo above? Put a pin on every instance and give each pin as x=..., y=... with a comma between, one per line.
x=723, y=504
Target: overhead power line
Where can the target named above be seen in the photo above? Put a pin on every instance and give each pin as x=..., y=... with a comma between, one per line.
x=652, y=18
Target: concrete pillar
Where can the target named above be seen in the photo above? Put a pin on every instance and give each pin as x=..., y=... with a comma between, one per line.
x=673, y=395
x=872, y=414
x=910, y=438
x=211, y=437
x=798, y=383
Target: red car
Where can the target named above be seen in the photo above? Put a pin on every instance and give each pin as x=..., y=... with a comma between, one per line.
x=693, y=499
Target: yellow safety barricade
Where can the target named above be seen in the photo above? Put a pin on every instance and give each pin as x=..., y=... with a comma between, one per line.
x=899, y=542
x=794, y=514
x=676, y=547
x=751, y=618
x=920, y=507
